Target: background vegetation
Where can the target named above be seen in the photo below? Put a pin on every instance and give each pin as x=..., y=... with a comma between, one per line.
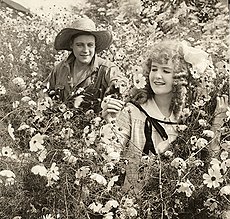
x=57, y=162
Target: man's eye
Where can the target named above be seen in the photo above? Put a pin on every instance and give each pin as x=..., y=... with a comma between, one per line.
x=167, y=72
x=154, y=69
x=91, y=45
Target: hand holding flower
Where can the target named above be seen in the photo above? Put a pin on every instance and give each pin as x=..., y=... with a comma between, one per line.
x=220, y=111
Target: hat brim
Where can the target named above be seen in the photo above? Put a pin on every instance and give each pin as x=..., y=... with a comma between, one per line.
x=62, y=40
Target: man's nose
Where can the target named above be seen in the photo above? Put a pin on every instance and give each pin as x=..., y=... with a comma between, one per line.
x=85, y=48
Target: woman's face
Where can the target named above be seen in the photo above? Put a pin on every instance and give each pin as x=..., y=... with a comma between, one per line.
x=161, y=78
x=83, y=47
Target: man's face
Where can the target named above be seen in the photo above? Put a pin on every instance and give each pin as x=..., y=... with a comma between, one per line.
x=84, y=48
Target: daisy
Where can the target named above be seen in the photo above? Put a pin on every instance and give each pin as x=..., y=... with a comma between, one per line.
x=99, y=178
x=213, y=178
x=224, y=155
x=43, y=105
x=66, y=133
x=68, y=115
x=193, y=139
x=2, y=90
x=9, y=181
x=209, y=133
x=7, y=173
x=137, y=69
x=11, y=131
x=36, y=142
x=109, y=205
x=39, y=170
x=90, y=138
x=108, y=215
x=7, y=151
x=83, y=172
x=228, y=114
x=15, y=103
x=69, y=158
x=53, y=173
x=201, y=142
x=111, y=183
x=90, y=152
x=108, y=167
x=211, y=204
x=25, y=99
x=225, y=190
x=179, y=163
x=95, y=206
x=186, y=187
x=48, y=216
x=19, y=82
x=139, y=81
x=78, y=100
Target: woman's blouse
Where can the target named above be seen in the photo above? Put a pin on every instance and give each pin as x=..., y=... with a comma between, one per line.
x=131, y=122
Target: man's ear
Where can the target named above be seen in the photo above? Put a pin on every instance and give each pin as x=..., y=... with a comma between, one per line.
x=71, y=44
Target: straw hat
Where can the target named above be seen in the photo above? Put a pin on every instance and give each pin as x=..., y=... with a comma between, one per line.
x=81, y=26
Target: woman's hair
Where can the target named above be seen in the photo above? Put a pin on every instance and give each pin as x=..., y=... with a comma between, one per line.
x=161, y=53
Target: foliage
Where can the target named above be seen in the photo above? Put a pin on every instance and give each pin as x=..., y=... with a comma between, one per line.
x=60, y=162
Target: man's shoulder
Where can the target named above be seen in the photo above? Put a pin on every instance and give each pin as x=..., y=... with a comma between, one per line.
x=66, y=60
x=105, y=62
x=63, y=63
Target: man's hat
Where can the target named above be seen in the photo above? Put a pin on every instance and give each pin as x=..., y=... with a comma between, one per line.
x=83, y=26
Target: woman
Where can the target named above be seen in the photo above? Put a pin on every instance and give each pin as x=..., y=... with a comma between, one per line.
x=150, y=120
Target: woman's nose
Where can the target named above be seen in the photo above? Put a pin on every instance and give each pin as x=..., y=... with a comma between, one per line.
x=158, y=73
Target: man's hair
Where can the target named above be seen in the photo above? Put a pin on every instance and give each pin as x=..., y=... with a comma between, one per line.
x=79, y=34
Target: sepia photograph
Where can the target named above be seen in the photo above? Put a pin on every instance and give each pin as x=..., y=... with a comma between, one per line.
x=114, y=109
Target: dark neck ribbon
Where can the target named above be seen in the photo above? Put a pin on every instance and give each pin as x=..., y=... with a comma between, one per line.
x=149, y=122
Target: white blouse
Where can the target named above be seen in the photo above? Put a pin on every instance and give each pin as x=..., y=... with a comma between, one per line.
x=132, y=121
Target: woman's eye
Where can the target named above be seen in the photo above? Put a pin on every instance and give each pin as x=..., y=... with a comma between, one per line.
x=167, y=72
x=154, y=69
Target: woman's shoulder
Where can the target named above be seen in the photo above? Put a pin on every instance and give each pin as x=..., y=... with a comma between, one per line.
x=134, y=112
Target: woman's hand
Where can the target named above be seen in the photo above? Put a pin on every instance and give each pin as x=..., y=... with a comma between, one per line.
x=220, y=112
x=219, y=116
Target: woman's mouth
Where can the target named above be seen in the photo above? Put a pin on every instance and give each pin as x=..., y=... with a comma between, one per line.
x=159, y=83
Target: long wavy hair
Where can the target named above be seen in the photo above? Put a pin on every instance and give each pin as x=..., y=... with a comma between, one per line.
x=161, y=53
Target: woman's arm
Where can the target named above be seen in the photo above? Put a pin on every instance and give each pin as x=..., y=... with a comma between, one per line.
x=219, y=116
x=123, y=124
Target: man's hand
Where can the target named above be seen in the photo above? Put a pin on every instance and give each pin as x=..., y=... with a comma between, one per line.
x=110, y=107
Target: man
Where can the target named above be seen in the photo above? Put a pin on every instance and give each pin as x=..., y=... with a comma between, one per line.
x=83, y=72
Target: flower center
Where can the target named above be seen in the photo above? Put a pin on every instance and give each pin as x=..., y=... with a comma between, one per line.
x=213, y=178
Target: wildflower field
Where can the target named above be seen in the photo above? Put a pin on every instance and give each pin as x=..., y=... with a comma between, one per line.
x=61, y=162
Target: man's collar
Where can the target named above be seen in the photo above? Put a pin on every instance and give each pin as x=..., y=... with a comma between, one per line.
x=70, y=58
